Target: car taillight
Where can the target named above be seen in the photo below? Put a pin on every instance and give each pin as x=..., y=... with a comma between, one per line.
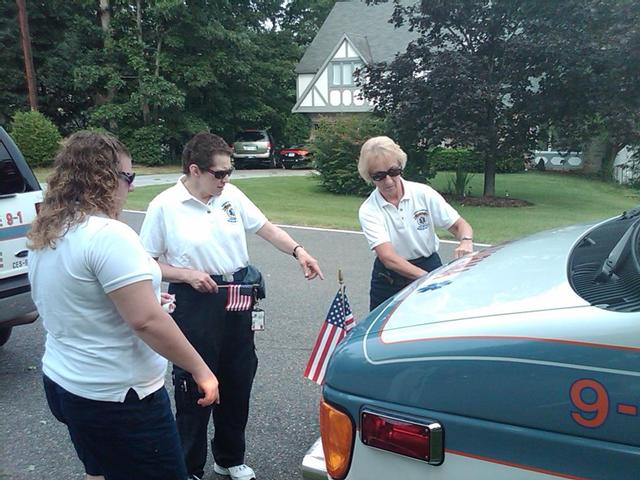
x=418, y=440
x=38, y=205
x=336, y=430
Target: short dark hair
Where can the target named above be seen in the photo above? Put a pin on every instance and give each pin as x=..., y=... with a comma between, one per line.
x=201, y=148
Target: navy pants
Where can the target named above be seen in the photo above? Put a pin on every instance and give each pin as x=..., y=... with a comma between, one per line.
x=386, y=283
x=134, y=439
x=226, y=343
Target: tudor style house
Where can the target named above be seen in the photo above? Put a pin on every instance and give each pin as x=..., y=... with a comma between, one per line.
x=353, y=35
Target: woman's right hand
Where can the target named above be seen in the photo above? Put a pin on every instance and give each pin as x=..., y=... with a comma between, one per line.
x=208, y=385
x=202, y=281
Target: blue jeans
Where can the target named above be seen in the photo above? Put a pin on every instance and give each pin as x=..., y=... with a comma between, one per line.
x=135, y=439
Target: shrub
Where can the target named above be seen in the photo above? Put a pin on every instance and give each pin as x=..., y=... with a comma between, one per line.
x=36, y=136
x=450, y=159
x=148, y=145
x=336, y=148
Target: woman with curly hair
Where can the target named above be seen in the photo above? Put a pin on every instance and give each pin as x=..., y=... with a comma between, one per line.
x=97, y=292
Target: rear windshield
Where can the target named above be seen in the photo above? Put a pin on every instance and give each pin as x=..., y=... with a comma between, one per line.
x=11, y=180
x=251, y=137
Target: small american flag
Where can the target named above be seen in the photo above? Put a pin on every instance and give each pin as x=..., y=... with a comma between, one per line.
x=338, y=322
x=239, y=298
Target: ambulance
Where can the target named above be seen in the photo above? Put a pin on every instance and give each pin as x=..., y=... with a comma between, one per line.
x=518, y=362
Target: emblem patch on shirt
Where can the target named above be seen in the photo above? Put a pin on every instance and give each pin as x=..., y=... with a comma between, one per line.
x=422, y=219
x=231, y=213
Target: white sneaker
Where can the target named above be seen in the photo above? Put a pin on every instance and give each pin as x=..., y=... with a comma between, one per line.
x=239, y=472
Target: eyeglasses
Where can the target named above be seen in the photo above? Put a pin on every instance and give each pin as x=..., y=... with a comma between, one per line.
x=220, y=174
x=392, y=172
x=127, y=177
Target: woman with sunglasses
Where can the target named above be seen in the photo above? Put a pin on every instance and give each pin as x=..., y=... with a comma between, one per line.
x=199, y=227
x=97, y=292
x=399, y=219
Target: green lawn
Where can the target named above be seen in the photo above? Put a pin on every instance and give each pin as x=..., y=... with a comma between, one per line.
x=42, y=173
x=558, y=200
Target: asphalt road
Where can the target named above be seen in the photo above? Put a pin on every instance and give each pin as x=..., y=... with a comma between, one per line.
x=283, y=422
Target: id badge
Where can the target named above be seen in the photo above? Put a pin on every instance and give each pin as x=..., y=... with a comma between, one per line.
x=257, y=319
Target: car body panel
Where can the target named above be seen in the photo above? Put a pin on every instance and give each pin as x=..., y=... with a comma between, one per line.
x=527, y=378
x=19, y=194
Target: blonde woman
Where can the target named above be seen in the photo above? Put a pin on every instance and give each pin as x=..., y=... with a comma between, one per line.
x=399, y=219
x=97, y=292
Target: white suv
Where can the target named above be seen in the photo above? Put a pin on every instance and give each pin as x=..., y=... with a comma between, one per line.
x=20, y=194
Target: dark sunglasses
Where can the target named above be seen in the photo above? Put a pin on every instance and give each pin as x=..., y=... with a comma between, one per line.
x=392, y=172
x=127, y=177
x=220, y=174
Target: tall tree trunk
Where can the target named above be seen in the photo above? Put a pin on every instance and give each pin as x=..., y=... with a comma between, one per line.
x=104, y=12
x=610, y=152
x=490, y=174
x=144, y=103
x=25, y=40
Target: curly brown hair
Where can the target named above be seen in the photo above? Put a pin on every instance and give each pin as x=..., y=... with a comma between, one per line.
x=200, y=150
x=83, y=182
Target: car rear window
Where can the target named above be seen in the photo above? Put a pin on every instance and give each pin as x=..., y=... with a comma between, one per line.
x=11, y=180
x=251, y=137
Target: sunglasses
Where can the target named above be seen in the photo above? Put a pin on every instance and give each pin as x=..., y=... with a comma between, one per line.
x=392, y=172
x=127, y=177
x=220, y=174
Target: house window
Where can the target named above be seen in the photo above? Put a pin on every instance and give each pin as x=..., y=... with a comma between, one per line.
x=342, y=73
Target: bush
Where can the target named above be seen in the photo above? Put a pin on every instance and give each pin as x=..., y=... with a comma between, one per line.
x=451, y=159
x=336, y=149
x=148, y=145
x=36, y=136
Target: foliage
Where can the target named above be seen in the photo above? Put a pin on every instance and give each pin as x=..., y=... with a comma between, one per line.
x=171, y=66
x=443, y=159
x=336, y=148
x=458, y=183
x=492, y=75
x=147, y=145
x=36, y=136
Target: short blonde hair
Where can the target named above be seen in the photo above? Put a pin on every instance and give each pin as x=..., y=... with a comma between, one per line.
x=375, y=148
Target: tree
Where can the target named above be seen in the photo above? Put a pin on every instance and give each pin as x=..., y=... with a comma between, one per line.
x=492, y=74
x=591, y=85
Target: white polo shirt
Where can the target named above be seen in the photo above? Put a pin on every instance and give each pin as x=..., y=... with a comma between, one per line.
x=411, y=226
x=209, y=237
x=90, y=350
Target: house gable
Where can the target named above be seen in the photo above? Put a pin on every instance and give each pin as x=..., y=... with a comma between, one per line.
x=333, y=88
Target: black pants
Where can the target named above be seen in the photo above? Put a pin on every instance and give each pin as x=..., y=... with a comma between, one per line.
x=225, y=342
x=386, y=283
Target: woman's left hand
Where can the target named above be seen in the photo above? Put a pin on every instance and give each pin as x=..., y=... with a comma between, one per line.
x=310, y=266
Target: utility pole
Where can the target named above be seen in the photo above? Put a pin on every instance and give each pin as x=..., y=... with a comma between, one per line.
x=25, y=40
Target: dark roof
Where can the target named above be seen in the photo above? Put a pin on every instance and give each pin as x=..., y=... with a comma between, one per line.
x=367, y=26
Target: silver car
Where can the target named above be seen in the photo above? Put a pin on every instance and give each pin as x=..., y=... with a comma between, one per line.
x=254, y=148
x=521, y=361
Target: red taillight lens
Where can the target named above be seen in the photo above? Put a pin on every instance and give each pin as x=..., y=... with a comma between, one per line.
x=38, y=205
x=417, y=440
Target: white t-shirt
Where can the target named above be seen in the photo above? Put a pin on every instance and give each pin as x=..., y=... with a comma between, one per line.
x=411, y=227
x=207, y=237
x=90, y=350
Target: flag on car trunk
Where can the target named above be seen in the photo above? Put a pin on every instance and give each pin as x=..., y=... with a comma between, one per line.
x=338, y=322
x=239, y=298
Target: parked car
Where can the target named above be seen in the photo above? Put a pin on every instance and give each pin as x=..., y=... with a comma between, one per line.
x=20, y=194
x=521, y=361
x=254, y=148
x=296, y=156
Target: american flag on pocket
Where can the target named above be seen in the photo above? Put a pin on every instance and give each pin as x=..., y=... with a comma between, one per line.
x=239, y=298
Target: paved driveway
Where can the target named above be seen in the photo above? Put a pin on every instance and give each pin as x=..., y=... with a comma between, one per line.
x=283, y=419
